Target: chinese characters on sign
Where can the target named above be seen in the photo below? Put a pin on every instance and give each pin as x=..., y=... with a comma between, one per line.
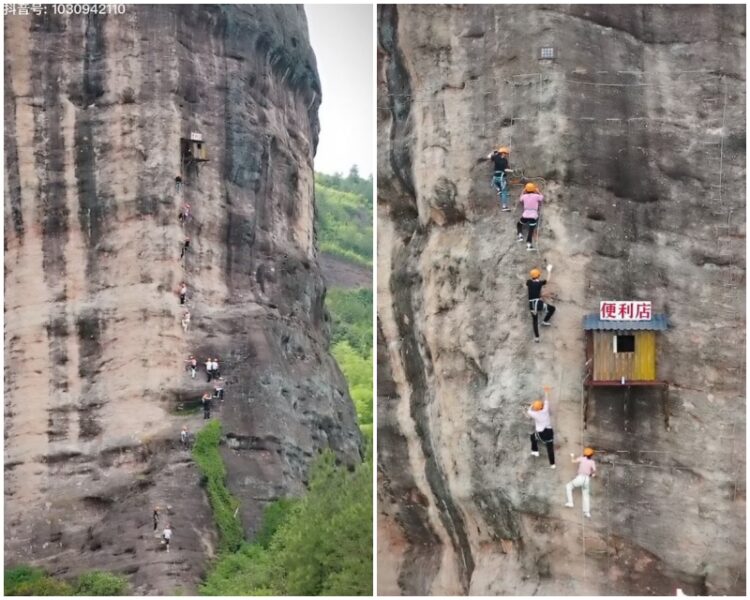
x=619, y=310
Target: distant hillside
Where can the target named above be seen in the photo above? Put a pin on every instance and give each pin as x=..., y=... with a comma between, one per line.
x=343, y=217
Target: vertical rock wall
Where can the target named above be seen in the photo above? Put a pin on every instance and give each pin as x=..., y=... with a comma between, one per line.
x=636, y=134
x=95, y=386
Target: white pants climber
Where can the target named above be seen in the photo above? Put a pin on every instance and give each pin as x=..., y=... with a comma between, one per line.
x=581, y=481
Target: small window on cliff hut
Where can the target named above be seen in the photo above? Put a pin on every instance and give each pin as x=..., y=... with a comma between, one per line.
x=193, y=150
x=624, y=343
x=547, y=53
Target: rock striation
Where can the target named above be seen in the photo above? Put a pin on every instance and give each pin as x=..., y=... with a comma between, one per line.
x=635, y=131
x=96, y=390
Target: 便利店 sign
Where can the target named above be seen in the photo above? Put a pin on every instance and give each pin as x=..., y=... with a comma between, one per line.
x=624, y=310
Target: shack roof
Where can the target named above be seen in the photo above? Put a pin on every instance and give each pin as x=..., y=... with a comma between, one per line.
x=656, y=323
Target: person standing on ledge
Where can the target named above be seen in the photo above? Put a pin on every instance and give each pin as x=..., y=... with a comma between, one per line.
x=539, y=411
x=192, y=364
x=206, y=401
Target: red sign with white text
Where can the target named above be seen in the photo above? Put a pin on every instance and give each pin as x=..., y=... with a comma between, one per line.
x=619, y=310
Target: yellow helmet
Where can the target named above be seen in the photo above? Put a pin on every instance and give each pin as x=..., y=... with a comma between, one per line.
x=530, y=188
x=503, y=150
x=589, y=452
x=535, y=273
x=537, y=405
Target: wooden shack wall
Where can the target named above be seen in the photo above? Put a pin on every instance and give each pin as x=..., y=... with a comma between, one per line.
x=634, y=366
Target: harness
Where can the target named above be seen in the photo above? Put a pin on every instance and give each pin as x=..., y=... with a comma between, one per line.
x=534, y=306
x=498, y=179
x=539, y=438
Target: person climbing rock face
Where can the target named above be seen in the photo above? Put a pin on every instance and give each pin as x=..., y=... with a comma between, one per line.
x=531, y=200
x=539, y=411
x=167, y=535
x=178, y=183
x=192, y=364
x=156, y=517
x=183, y=292
x=185, y=320
x=185, y=246
x=215, y=368
x=206, y=401
x=536, y=304
x=586, y=470
x=184, y=214
x=499, y=159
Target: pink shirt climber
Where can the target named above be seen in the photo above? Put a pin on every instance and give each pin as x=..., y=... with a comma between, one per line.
x=531, y=203
x=586, y=466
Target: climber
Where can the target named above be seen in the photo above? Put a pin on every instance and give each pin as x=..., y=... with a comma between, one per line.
x=219, y=388
x=499, y=158
x=216, y=368
x=186, y=320
x=192, y=365
x=586, y=470
x=167, y=535
x=184, y=214
x=536, y=304
x=183, y=292
x=206, y=401
x=178, y=183
x=209, y=368
x=185, y=246
x=184, y=438
x=156, y=517
x=531, y=200
x=539, y=411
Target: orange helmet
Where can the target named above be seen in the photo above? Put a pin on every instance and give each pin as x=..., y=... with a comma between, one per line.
x=535, y=273
x=530, y=188
x=503, y=150
x=537, y=405
x=589, y=452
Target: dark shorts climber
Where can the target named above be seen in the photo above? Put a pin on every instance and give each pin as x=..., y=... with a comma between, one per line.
x=536, y=303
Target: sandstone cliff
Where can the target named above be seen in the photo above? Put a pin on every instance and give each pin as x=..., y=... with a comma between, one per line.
x=95, y=386
x=636, y=133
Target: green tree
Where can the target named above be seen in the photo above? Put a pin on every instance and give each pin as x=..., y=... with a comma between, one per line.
x=323, y=546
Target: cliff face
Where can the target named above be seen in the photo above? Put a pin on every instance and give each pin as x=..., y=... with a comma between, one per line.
x=636, y=134
x=96, y=390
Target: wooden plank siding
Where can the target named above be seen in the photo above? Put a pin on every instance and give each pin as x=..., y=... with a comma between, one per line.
x=634, y=366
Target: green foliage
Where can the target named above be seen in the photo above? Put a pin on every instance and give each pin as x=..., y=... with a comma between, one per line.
x=344, y=218
x=32, y=581
x=208, y=458
x=351, y=311
x=358, y=372
x=353, y=183
x=100, y=583
x=273, y=516
x=321, y=544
